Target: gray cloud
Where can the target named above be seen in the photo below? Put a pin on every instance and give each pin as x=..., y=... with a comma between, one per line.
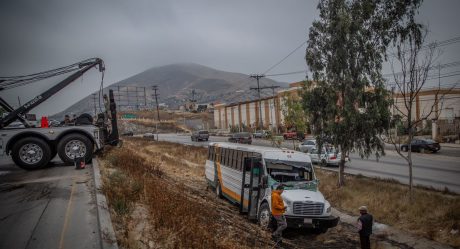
x=132, y=36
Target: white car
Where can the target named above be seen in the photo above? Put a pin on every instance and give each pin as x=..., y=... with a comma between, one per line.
x=329, y=156
x=307, y=145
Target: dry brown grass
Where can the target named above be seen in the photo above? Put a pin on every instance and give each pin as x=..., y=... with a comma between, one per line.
x=181, y=213
x=432, y=214
x=162, y=126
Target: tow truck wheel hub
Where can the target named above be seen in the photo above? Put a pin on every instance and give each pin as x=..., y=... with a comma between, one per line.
x=75, y=148
x=30, y=153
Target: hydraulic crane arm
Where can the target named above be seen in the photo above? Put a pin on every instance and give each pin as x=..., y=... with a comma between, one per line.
x=22, y=110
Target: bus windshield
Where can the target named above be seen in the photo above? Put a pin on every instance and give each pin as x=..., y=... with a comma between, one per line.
x=292, y=174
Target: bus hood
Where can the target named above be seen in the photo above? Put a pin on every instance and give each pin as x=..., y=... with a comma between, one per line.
x=293, y=195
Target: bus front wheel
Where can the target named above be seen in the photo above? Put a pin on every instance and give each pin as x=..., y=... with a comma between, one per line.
x=264, y=216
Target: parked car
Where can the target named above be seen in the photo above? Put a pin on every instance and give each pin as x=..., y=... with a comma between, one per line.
x=261, y=134
x=328, y=156
x=307, y=145
x=294, y=135
x=290, y=135
x=422, y=145
x=200, y=135
x=241, y=137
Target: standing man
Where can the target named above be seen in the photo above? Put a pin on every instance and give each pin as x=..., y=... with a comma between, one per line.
x=365, y=222
x=278, y=210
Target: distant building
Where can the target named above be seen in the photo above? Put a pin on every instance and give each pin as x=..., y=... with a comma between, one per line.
x=440, y=106
x=246, y=114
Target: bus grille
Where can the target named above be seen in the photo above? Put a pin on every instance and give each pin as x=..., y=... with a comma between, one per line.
x=308, y=208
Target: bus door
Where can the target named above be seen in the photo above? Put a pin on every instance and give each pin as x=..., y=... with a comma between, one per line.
x=252, y=172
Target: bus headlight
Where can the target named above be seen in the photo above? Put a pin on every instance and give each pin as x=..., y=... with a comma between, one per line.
x=328, y=209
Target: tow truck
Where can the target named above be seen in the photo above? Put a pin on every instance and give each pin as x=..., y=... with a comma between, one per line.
x=33, y=147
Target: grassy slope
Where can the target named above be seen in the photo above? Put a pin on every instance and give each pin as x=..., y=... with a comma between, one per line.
x=432, y=214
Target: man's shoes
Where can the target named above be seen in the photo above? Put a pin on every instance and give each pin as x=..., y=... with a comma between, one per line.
x=276, y=238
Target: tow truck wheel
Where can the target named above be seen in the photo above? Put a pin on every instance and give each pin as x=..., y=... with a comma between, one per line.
x=264, y=216
x=75, y=145
x=31, y=153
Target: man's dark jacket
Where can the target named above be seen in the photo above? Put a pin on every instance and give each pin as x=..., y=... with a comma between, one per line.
x=366, y=221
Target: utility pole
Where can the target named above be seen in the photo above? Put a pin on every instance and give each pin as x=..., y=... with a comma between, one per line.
x=155, y=89
x=257, y=77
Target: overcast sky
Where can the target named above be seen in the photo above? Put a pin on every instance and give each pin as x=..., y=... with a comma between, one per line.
x=132, y=36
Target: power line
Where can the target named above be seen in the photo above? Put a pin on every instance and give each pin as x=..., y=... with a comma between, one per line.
x=440, y=66
x=293, y=51
x=295, y=72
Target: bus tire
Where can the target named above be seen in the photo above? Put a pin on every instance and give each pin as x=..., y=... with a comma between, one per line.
x=73, y=145
x=219, y=190
x=264, y=216
x=31, y=153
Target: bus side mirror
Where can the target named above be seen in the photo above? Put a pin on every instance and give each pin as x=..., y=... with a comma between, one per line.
x=264, y=181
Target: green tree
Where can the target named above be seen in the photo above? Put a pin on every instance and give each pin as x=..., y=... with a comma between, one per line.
x=294, y=114
x=347, y=100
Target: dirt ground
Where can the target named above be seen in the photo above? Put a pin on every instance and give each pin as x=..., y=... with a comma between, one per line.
x=179, y=171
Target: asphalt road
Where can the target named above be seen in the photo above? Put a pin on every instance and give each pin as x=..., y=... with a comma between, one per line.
x=52, y=208
x=440, y=170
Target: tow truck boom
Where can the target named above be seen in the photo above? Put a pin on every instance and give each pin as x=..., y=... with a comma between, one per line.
x=22, y=110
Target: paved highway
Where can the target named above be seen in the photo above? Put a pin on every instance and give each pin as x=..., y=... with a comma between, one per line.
x=440, y=170
x=52, y=208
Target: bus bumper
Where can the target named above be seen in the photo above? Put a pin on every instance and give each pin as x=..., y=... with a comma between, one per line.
x=320, y=222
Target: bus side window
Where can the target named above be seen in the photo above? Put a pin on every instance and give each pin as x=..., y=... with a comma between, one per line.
x=209, y=152
x=230, y=158
x=218, y=154
x=213, y=153
x=236, y=159
x=222, y=155
x=241, y=156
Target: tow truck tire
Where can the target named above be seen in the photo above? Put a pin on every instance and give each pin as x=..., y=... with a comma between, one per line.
x=75, y=145
x=31, y=153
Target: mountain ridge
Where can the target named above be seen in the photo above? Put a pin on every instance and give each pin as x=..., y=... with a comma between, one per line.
x=180, y=82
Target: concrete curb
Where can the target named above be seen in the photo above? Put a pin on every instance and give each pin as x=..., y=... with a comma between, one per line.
x=393, y=234
x=108, y=238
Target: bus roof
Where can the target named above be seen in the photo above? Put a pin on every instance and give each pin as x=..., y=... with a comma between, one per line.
x=267, y=152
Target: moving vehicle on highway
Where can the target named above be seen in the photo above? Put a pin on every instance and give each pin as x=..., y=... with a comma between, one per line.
x=246, y=175
x=329, y=156
x=32, y=147
x=201, y=135
x=241, y=138
x=422, y=145
x=261, y=134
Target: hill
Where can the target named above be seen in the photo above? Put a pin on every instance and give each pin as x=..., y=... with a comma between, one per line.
x=179, y=82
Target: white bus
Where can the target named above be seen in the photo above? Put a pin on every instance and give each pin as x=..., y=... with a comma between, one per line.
x=263, y=169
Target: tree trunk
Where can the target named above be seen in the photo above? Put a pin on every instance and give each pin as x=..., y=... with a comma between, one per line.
x=341, y=180
x=409, y=159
